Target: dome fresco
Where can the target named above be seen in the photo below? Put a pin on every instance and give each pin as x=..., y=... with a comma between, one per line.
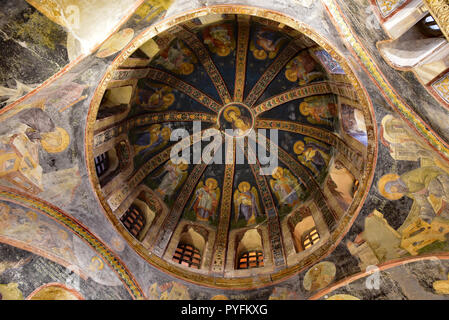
x=244, y=136
x=223, y=151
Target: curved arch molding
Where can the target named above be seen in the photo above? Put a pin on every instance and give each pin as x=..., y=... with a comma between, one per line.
x=74, y=226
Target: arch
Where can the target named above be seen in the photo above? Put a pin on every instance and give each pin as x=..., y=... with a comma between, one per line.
x=190, y=249
x=250, y=251
x=305, y=234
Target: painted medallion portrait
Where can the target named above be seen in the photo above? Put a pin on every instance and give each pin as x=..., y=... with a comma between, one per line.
x=236, y=117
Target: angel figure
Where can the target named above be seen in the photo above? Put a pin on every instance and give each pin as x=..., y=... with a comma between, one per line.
x=318, y=110
x=220, y=39
x=205, y=199
x=285, y=186
x=302, y=69
x=155, y=138
x=266, y=44
x=313, y=154
x=177, y=58
x=174, y=175
x=158, y=98
x=246, y=202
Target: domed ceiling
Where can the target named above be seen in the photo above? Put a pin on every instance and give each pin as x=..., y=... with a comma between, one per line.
x=94, y=203
x=258, y=88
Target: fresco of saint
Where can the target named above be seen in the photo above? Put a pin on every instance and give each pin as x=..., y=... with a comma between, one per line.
x=427, y=186
x=285, y=186
x=174, y=175
x=205, y=199
x=266, y=44
x=246, y=202
x=220, y=39
x=302, y=69
x=319, y=110
x=312, y=154
x=177, y=58
x=158, y=98
x=155, y=138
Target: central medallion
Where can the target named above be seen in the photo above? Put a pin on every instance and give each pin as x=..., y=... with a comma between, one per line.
x=236, y=119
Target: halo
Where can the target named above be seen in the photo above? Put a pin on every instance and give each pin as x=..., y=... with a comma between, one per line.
x=298, y=148
x=275, y=170
x=213, y=181
x=56, y=141
x=291, y=75
x=228, y=110
x=32, y=215
x=260, y=54
x=303, y=108
x=381, y=186
x=243, y=184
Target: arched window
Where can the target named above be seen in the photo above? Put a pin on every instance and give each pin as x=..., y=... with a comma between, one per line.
x=187, y=255
x=250, y=259
x=102, y=164
x=134, y=220
x=310, y=238
x=429, y=27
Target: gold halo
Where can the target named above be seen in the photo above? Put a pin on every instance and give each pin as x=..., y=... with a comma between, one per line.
x=228, y=110
x=291, y=75
x=381, y=186
x=276, y=170
x=243, y=184
x=186, y=68
x=302, y=108
x=56, y=141
x=213, y=181
x=260, y=54
x=298, y=148
x=32, y=215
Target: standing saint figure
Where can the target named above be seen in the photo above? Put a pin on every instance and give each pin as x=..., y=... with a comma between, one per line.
x=205, y=201
x=246, y=202
x=174, y=175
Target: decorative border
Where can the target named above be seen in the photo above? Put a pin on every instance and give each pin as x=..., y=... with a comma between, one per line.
x=211, y=281
x=175, y=83
x=79, y=230
x=241, y=57
x=317, y=88
x=219, y=254
x=150, y=118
